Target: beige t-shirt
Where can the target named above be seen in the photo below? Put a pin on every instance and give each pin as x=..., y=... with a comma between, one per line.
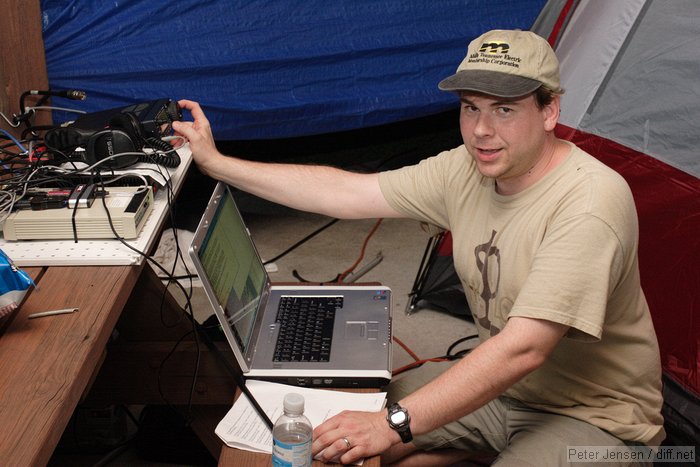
x=563, y=250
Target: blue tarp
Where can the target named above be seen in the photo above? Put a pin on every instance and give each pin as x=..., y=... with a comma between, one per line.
x=270, y=69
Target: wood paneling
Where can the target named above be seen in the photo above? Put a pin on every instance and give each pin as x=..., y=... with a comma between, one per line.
x=22, y=58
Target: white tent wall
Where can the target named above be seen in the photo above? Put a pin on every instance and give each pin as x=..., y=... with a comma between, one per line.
x=631, y=72
x=587, y=49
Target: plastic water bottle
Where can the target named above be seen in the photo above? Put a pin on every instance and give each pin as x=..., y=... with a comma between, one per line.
x=292, y=435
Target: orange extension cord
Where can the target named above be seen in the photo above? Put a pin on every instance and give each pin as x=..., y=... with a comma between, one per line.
x=418, y=361
x=362, y=251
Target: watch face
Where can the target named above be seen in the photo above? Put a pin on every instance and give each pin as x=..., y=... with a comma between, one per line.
x=397, y=418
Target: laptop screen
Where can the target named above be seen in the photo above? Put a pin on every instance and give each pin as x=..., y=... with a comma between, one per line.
x=233, y=268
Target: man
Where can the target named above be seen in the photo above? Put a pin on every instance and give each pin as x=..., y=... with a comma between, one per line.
x=545, y=244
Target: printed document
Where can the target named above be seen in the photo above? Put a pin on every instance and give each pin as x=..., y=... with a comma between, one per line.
x=243, y=428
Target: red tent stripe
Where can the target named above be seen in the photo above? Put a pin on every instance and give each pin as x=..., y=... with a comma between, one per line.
x=668, y=205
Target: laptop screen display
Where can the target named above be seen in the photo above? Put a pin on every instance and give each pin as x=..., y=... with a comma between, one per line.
x=233, y=268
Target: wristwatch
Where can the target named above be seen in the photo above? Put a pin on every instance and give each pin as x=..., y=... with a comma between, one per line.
x=399, y=420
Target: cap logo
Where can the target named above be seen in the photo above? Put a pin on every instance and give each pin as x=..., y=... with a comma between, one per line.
x=494, y=48
x=494, y=53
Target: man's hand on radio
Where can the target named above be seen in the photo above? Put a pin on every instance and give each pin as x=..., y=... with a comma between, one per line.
x=198, y=132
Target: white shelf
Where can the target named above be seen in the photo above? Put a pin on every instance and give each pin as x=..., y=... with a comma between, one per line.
x=102, y=252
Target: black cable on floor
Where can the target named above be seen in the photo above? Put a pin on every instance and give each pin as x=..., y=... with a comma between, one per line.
x=301, y=242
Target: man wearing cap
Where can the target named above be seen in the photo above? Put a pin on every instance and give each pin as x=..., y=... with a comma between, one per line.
x=545, y=245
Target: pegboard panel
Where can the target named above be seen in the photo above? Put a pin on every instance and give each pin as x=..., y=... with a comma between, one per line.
x=102, y=251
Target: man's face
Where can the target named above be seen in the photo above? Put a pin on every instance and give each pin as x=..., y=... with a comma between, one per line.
x=507, y=137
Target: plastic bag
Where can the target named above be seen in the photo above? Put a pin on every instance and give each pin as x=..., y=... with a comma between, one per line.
x=14, y=284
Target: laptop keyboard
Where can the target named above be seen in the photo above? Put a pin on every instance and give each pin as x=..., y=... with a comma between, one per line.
x=306, y=328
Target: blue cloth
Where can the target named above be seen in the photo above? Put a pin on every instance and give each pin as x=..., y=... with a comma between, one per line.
x=270, y=69
x=12, y=278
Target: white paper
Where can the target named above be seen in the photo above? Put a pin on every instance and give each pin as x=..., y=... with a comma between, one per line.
x=243, y=428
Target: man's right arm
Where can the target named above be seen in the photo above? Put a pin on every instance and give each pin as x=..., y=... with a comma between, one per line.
x=324, y=190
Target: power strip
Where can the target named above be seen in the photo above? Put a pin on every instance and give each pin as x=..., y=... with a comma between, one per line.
x=128, y=210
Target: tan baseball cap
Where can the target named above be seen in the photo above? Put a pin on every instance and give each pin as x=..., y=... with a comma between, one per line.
x=506, y=64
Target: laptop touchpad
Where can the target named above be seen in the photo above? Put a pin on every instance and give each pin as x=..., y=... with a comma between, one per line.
x=356, y=330
x=361, y=330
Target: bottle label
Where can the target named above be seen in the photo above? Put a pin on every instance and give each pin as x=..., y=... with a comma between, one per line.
x=291, y=455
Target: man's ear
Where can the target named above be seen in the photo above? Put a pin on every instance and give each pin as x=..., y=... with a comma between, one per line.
x=551, y=113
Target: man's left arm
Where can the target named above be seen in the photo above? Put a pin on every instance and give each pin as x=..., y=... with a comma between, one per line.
x=482, y=375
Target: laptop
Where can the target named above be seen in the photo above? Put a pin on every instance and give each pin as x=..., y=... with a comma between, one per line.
x=346, y=335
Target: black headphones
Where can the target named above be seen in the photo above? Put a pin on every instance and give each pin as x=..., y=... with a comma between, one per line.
x=123, y=135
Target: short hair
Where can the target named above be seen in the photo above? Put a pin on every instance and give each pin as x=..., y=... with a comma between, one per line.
x=543, y=96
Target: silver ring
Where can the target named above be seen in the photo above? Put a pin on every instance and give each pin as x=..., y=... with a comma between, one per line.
x=347, y=443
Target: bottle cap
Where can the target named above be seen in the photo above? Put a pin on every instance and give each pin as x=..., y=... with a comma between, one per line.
x=294, y=403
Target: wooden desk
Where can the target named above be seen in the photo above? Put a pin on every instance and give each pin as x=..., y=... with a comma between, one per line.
x=237, y=458
x=47, y=363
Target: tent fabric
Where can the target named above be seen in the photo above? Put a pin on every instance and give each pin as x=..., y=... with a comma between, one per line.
x=437, y=285
x=632, y=77
x=270, y=69
x=587, y=49
x=633, y=102
x=553, y=17
x=681, y=414
x=668, y=204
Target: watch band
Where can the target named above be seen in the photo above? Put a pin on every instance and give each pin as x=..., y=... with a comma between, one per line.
x=402, y=426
